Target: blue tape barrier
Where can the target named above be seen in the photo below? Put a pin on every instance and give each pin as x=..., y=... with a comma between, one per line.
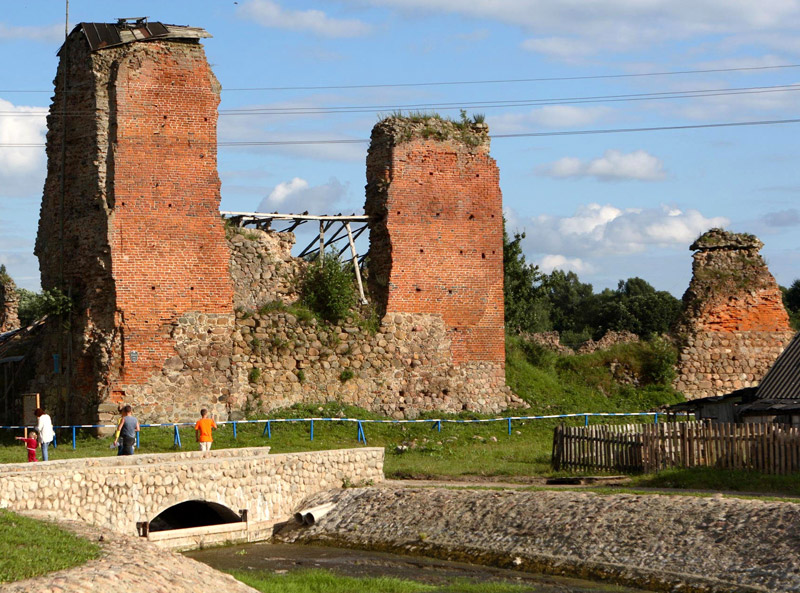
x=361, y=437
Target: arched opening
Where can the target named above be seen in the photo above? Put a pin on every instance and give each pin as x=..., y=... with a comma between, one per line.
x=193, y=513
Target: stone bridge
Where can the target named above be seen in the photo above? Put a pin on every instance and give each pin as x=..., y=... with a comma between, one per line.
x=223, y=495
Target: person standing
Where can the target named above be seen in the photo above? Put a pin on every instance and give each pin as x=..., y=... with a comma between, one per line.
x=45, y=428
x=202, y=430
x=125, y=437
x=30, y=444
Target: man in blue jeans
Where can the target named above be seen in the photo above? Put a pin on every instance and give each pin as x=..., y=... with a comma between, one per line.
x=125, y=437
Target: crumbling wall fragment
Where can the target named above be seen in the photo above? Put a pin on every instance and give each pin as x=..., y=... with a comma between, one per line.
x=9, y=302
x=734, y=324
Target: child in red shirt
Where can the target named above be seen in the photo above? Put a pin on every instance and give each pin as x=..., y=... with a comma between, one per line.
x=31, y=442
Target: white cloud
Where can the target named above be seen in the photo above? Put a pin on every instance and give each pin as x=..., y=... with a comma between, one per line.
x=583, y=27
x=272, y=14
x=45, y=33
x=297, y=195
x=549, y=116
x=599, y=230
x=612, y=166
x=21, y=167
x=548, y=263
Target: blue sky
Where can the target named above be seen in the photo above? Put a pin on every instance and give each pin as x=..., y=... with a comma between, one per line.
x=609, y=206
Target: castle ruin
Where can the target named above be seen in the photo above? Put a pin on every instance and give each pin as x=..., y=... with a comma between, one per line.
x=734, y=324
x=168, y=311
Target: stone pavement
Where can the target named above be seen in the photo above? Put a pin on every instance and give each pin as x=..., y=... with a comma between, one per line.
x=662, y=543
x=129, y=565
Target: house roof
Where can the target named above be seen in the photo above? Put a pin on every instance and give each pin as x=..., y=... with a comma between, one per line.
x=782, y=381
x=735, y=397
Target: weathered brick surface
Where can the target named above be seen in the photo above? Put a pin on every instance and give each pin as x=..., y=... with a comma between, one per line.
x=734, y=324
x=142, y=242
x=436, y=230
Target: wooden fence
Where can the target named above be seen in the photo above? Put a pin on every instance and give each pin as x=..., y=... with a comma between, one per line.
x=630, y=448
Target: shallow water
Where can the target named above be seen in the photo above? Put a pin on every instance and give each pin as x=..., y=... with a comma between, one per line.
x=281, y=558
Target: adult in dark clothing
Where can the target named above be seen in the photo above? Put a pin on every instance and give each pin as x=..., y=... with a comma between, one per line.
x=125, y=437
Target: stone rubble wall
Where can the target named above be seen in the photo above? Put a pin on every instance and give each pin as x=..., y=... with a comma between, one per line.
x=609, y=340
x=661, y=543
x=734, y=324
x=712, y=363
x=550, y=340
x=118, y=492
x=402, y=369
x=129, y=565
x=262, y=267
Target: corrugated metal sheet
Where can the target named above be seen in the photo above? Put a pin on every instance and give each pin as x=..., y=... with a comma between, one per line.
x=782, y=380
x=104, y=35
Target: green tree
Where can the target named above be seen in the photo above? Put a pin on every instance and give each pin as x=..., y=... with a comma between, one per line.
x=636, y=307
x=791, y=301
x=526, y=306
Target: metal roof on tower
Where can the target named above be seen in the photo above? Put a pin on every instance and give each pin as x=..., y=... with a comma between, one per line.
x=127, y=30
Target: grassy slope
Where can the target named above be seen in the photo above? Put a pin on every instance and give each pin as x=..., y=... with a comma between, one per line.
x=29, y=548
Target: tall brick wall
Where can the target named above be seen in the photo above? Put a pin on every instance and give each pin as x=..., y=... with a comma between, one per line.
x=436, y=230
x=142, y=243
x=734, y=324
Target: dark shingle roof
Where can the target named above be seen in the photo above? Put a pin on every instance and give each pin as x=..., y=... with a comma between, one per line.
x=782, y=380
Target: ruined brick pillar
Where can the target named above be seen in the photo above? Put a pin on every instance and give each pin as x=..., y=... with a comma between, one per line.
x=130, y=227
x=9, y=302
x=436, y=233
x=734, y=324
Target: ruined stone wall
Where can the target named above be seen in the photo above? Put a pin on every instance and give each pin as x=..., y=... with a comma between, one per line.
x=142, y=243
x=9, y=303
x=436, y=231
x=734, y=324
x=262, y=268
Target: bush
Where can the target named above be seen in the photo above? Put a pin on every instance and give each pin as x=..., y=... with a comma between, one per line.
x=327, y=288
x=346, y=375
x=33, y=306
x=254, y=375
x=660, y=358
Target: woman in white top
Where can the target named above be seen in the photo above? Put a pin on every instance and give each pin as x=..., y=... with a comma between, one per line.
x=45, y=429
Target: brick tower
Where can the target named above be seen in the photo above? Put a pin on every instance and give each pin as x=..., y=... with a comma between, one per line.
x=436, y=233
x=734, y=324
x=130, y=226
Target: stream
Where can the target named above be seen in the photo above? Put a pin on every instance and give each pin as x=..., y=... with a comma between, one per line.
x=282, y=558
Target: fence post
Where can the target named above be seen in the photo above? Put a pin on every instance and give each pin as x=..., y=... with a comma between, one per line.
x=361, y=435
x=267, y=430
x=439, y=425
x=137, y=440
x=655, y=418
x=234, y=430
x=73, y=438
x=312, y=429
x=509, y=426
x=177, y=439
x=54, y=440
x=586, y=420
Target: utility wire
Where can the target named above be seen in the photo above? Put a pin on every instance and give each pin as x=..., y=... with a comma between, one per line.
x=516, y=135
x=478, y=82
x=322, y=110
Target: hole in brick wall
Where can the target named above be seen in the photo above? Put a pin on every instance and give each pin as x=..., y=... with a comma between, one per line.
x=191, y=288
x=152, y=288
x=169, y=205
x=460, y=252
x=165, y=117
x=431, y=173
x=450, y=291
x=493, y=252
x=205, y=119
x=157, y=184
x=418, y=289
x=483, y=256
x=123, y=203
x=438, y=213
x=472, y=217
x=422, y=251
x=398, y=212
x=492, y=215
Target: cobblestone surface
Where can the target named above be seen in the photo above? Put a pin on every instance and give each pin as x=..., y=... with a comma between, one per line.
x=663, y=543
x=130, y=565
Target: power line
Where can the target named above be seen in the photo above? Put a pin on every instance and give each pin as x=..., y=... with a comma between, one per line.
x=517, y=135
x=478, y=82
x=323, y=110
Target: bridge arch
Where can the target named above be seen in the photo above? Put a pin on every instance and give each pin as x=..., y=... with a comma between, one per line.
x=193, y=512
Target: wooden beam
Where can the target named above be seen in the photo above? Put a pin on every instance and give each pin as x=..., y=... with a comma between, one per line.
x=355, y=263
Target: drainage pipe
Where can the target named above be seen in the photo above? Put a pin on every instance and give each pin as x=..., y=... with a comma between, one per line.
x=311, y=515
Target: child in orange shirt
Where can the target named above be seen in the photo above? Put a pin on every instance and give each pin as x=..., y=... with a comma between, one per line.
x=31, y=442
x=202, y=430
